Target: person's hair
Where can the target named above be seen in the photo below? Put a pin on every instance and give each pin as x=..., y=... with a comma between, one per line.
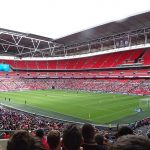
x=53, y=139
x=72, y=137
x=39, y=133
x=88, y=132
x=125, y=130
x=21, y=140
x=99, y=139
x=131, y=142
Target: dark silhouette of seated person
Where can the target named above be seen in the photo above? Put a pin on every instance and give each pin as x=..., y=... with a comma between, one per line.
x=40, y=134
x=53, y=140
x=125, y=130
x=22, y=140
x=72, y=138
x=100, y=140
x=88, y=133
x=131, y=142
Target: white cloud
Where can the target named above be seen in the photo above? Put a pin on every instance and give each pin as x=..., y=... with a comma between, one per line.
x=57, y=18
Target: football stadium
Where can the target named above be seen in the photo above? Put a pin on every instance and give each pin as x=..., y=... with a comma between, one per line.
x=99, y=76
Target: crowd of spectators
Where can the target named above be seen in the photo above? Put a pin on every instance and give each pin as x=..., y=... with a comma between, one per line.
x=12, y=119
x=134, y=86
x=141, y=127
x=76, y=137
x=40, y=133
x=139, y=123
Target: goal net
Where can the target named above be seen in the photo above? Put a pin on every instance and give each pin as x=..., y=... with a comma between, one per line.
x=144, y=104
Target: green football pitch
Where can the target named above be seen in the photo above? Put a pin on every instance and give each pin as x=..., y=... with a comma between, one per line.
x=94, y=107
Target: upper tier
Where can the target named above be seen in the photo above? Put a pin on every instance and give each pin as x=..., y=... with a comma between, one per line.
x=116, y=59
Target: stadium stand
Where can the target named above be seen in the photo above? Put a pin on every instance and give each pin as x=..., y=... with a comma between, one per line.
x=93, y=62
x=19, y=120
x=112, y=59
x=112, y=85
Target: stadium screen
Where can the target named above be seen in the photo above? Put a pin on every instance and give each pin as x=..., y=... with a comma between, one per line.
x=4, y=68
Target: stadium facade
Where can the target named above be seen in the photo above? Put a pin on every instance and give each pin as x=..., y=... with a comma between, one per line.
x=113, y=57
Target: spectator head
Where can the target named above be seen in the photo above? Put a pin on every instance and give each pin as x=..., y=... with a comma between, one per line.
x=40, y=133
x=88, y=133
x=21, y=140
x=72, y=138
x=53, y=139
x=99, y=139
x=131, y=142
x=125, y=130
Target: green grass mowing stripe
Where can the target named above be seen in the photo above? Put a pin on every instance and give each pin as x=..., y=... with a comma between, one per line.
x=104, y=115
x=102, y=107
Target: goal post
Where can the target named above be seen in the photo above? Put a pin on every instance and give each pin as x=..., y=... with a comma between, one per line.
x=144, y=104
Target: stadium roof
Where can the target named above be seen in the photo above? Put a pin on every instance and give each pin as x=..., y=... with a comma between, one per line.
x=25, y=34
x=18, y=43
x=25, y=44
x=126, y=25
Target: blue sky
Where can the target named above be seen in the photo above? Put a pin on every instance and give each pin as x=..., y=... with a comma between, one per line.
x=58, y=18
